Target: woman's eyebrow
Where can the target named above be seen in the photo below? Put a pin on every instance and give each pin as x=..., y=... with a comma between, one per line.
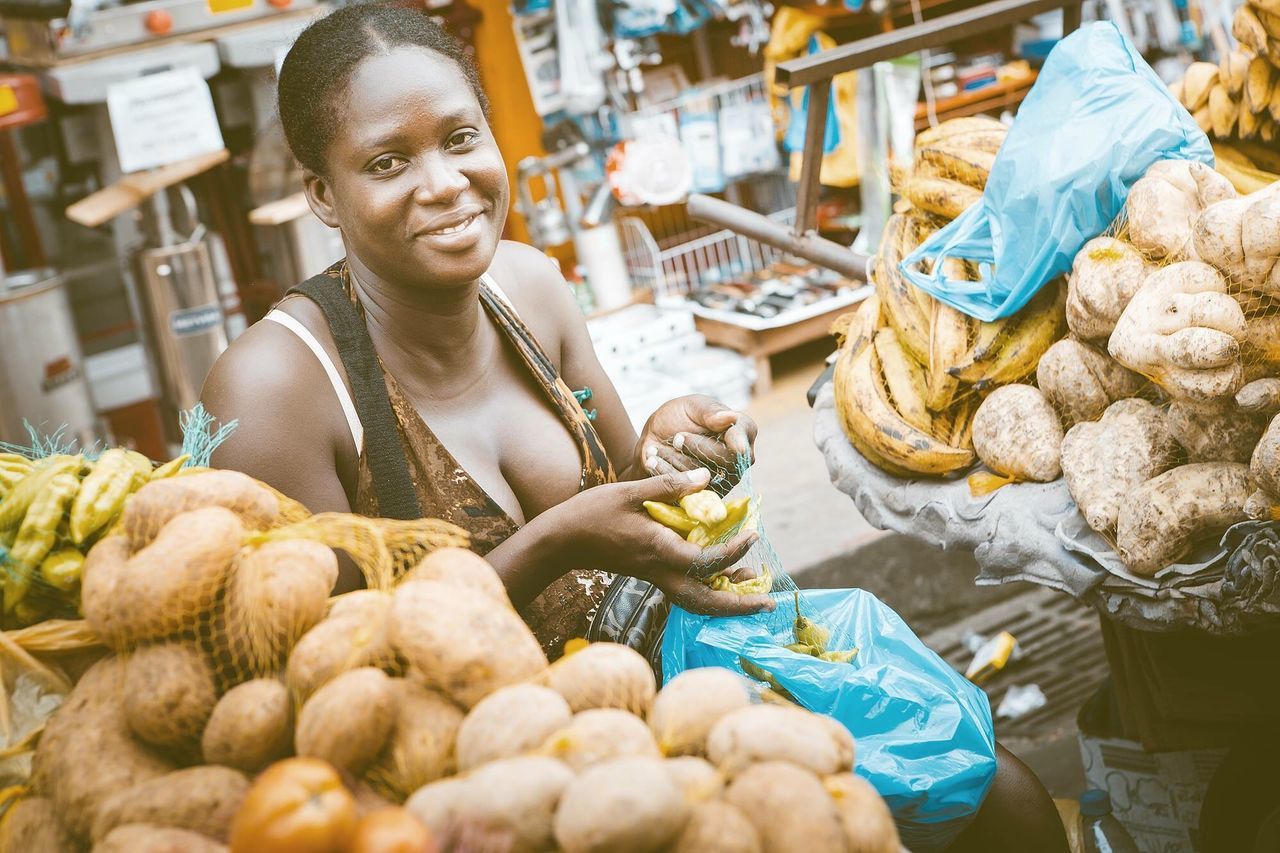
x=382, y=136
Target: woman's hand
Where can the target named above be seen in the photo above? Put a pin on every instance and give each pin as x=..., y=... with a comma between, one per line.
x=695, y=432
x=607, y=527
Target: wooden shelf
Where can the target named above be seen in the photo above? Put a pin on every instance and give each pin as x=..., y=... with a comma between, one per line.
x=1001, y=96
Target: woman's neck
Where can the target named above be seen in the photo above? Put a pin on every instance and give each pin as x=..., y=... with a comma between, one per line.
x=436, y=330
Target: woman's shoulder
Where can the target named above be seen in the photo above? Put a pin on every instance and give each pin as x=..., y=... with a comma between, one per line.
x=534, y=284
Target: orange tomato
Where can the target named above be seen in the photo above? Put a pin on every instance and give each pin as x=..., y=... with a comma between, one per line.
x=298, y=805
x=392, y=830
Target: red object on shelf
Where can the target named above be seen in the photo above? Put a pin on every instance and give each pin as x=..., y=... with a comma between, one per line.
x=159, y=22
x=21, y=104
x=281, y=4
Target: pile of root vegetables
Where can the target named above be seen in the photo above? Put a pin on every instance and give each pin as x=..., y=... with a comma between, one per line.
x=241, y=708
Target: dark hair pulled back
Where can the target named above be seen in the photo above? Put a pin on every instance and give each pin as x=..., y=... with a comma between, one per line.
x=326, y=54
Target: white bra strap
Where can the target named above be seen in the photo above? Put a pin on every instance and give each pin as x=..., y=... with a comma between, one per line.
x=344, y=398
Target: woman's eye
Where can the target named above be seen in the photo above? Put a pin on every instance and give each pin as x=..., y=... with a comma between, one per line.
x=384, y=164
x=464, y=138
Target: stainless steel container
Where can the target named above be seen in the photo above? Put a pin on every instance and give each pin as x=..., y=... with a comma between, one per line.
x=41, y=368
x=185, y=323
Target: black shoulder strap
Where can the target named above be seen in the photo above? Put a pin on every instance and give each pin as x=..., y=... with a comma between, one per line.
x=383, y=448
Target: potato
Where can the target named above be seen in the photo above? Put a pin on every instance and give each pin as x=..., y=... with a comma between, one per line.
x=144, y=838
x=1016, y=433
x=354, y=634
x=599, y=735
x=154, y=505
x=250, y=727
x=868, y=823
x=1105, y=462
x=518, y=820
x=627, y=805
x=168, y=695
x=461, y=642
x=509, y=722
x=789, y=807
x=1161, y=520
x=32, y=824
x=690, y=704
x=100, y=575
x=348, y=721
x=277, y=592
x=604, y=675
x=774, y=733
x=199, y=799
x=1215, y=431
x=422, y=744
x=168, y=586
x=1105, y=275
x=715, y=827
x=1183, y=331
x=696, y=778
x=1081, y=381
x=460, y=567
x=88, y=731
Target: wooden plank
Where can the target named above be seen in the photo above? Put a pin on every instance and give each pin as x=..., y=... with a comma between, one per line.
x=131, y=190
x=281, y=212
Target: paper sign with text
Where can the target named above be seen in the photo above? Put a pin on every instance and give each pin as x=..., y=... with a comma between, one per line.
x=163, y=118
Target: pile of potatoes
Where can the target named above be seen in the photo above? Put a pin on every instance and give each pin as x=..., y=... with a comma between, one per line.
x=227, y=655
x=1155, y=406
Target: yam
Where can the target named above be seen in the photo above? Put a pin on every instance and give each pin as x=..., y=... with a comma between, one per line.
x=461, y=642
x=104, y=566
x=144, y=838
x=1216, y=431
x=1162, y=519
x=1017, y=434
x=1183, y=331
x=518, y=821
x=629, y=805
x=422, y=744
x=697, y=778
x=1105, y=275
x=168, y=696
x=460, y=567
x=1264, y=465
x=1081, y=382
x=599, y=735
x=789, y=807
x=353, y=635
x=1218, y=238
x=86, y=752
x=174, y=582
x=868, y=823
x=156, y=504
x=1163, y=204
x=762, y=733
x=250, y=727
x=32, y=824
x=348, y=721
x=198, y=799
x=278, y=591
x=845, y=746
x=690, y=704
x=1104, y=462
x=1260, y=397
x=715, y=827
x=510, y=722
x=604, y=675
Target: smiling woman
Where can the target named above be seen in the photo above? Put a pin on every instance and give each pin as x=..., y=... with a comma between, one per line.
x=428, y=373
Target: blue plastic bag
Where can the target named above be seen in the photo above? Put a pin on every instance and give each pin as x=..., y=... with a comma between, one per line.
x=793, y=139
x=1096, y=119
x=924, y=734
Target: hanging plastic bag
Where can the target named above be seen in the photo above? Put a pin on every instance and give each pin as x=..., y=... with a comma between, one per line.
x=840, y=143
x=1096, y=119
x=924, y=734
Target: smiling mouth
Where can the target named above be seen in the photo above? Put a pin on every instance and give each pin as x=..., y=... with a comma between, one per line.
x=453, y=229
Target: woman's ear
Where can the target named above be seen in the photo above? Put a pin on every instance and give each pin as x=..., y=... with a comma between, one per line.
x=320, y=198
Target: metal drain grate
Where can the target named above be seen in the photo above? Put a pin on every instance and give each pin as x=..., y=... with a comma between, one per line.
x=1062, y=652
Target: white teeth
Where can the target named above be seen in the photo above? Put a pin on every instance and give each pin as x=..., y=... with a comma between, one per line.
x=461, y=226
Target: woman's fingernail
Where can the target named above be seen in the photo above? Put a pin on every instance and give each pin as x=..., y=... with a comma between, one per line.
x=698, y=475
x=677, y=441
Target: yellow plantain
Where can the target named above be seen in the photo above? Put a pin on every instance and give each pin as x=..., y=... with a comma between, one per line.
x=948, y=342
x=872, y=423
x=987, y=343
x=940, y=196
x=968, y=166
x=897, y=300
x=957, y=127
x=961, y=435
x=862, y=326
x=1039, y=325
x=905, y=379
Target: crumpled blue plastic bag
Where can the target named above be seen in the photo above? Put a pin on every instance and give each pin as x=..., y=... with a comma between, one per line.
x=924, y=734
x=1095, y=120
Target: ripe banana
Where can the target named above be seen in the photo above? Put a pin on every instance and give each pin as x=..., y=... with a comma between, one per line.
x=968, y=166
x=956, y=127
x=879, y=432
x=1037, y=327
x=941, y=196
x=905, y=378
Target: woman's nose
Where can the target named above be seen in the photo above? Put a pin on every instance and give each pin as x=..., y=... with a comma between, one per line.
x=439, y=183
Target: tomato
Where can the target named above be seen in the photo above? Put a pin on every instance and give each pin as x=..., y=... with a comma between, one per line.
x=392, y=830
x=298, y=805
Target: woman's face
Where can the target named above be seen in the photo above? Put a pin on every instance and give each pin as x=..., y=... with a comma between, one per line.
x=415, y=180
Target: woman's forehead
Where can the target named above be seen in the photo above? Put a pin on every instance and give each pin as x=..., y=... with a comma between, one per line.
x=406, y=85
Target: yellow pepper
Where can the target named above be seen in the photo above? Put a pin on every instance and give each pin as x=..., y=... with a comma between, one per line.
x=103, y=494
x=15, y=505
x=170, y=468
x=670, y=516
x=37, y=535
x=758, y=585
x=61, y=569
x=704, y=507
